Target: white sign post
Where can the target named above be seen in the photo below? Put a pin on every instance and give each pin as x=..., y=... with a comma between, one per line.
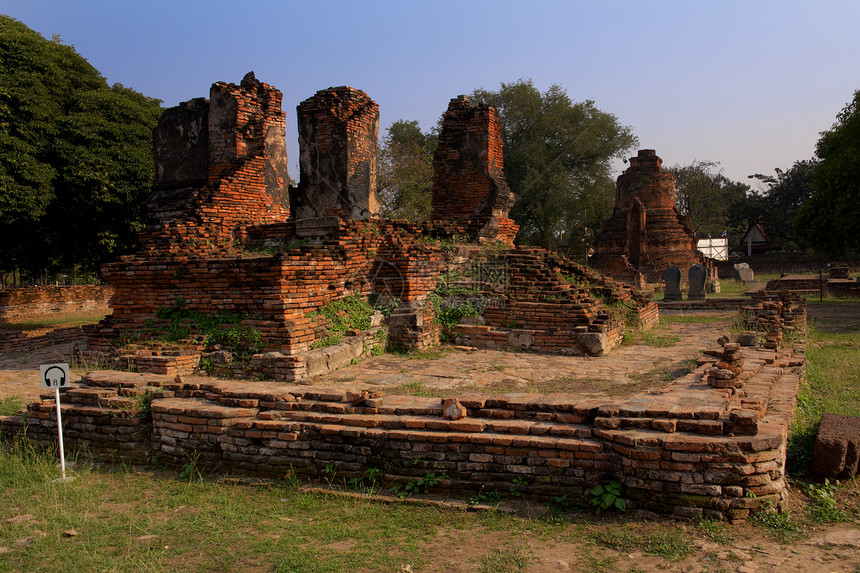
x=56, y=376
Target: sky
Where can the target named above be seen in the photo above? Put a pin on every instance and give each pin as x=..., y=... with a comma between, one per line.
x=749, y=84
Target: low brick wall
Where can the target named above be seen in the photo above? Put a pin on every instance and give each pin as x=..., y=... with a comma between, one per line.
x=691, y=449
x=22, y=303
x=19, y=341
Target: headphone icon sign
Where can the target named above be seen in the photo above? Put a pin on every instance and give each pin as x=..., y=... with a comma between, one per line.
x=55, y=377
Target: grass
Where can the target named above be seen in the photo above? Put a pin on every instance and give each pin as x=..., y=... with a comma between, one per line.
x=831, y=384
x=508, y=560
x=781, y=526
x=694, y=318
x=668, y=542
x=655, y=337
x=10, y=405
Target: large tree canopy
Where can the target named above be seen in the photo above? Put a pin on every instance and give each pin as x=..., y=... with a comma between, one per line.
x=705, y=194
x=75, y=156
x=778, y=205
x=830, y=219
x=557, y=161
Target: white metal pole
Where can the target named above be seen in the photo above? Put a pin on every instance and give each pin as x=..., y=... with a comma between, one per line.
x=60, y=431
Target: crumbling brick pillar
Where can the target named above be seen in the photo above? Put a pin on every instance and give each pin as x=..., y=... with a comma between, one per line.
x=338, y=147
x=221, y=164
x=468, y=179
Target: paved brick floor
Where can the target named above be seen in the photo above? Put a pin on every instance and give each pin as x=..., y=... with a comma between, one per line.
x=624, y=371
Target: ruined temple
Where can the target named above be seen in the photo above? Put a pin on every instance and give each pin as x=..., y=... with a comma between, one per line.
x=224, y=240
x=645, y=232
x=229, y=235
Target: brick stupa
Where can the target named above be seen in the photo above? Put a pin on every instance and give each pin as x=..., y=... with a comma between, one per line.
x=645, y=233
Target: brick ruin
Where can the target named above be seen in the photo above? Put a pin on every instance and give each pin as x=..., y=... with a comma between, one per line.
x=468, y=172
x=711, y=443
x=645, y=233
x=339, y=140
x=21, y=303
x=229, y=234
x=225, y=238
x=221, y=166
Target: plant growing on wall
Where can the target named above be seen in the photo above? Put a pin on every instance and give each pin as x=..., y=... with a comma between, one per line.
x=342, y=315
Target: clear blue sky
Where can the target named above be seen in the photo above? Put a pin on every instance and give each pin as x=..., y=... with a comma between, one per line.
x=747, y=83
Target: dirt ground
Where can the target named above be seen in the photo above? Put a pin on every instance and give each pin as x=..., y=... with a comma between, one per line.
x=835, y=317
x=826, y=548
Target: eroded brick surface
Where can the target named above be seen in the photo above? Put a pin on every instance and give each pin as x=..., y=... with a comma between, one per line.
x=468, y=172
x=339, y=140
x=221, y=165
x=836, y=452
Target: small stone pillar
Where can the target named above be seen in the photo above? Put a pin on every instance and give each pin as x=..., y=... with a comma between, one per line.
x=697, y=276
x=672, y=278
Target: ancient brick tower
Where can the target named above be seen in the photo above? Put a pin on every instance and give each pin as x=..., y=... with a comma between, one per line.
x=645, y=233
x=221, y=165
x=338, y=142
x=468, y=180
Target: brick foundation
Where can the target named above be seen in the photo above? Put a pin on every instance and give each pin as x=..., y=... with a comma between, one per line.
x=691, y=449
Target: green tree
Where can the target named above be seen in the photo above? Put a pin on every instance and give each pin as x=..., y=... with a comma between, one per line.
x=830, y=219
x=778, y=205
x=75, y=156
x=557, y=161
x=405, y=171
x=702, y=192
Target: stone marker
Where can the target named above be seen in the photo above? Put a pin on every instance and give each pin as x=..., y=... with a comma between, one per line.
x=745, y=273
x=672, y=277
x=713, y=286
x=837, y=447
x=697, y=276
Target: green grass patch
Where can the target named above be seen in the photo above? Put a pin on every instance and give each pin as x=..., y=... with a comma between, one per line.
x=718, y=531
x=656, y=337
x=709, y=318
x=670, y=543
x=508, y=560
x=780, y=526
x=831, y=384
x=10, y=405
x=342, y=315
x=673, y=544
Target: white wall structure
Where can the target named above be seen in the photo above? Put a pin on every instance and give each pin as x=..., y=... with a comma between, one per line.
x=714, y=248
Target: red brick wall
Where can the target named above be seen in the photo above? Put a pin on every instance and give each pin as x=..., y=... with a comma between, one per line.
x=18, y=304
